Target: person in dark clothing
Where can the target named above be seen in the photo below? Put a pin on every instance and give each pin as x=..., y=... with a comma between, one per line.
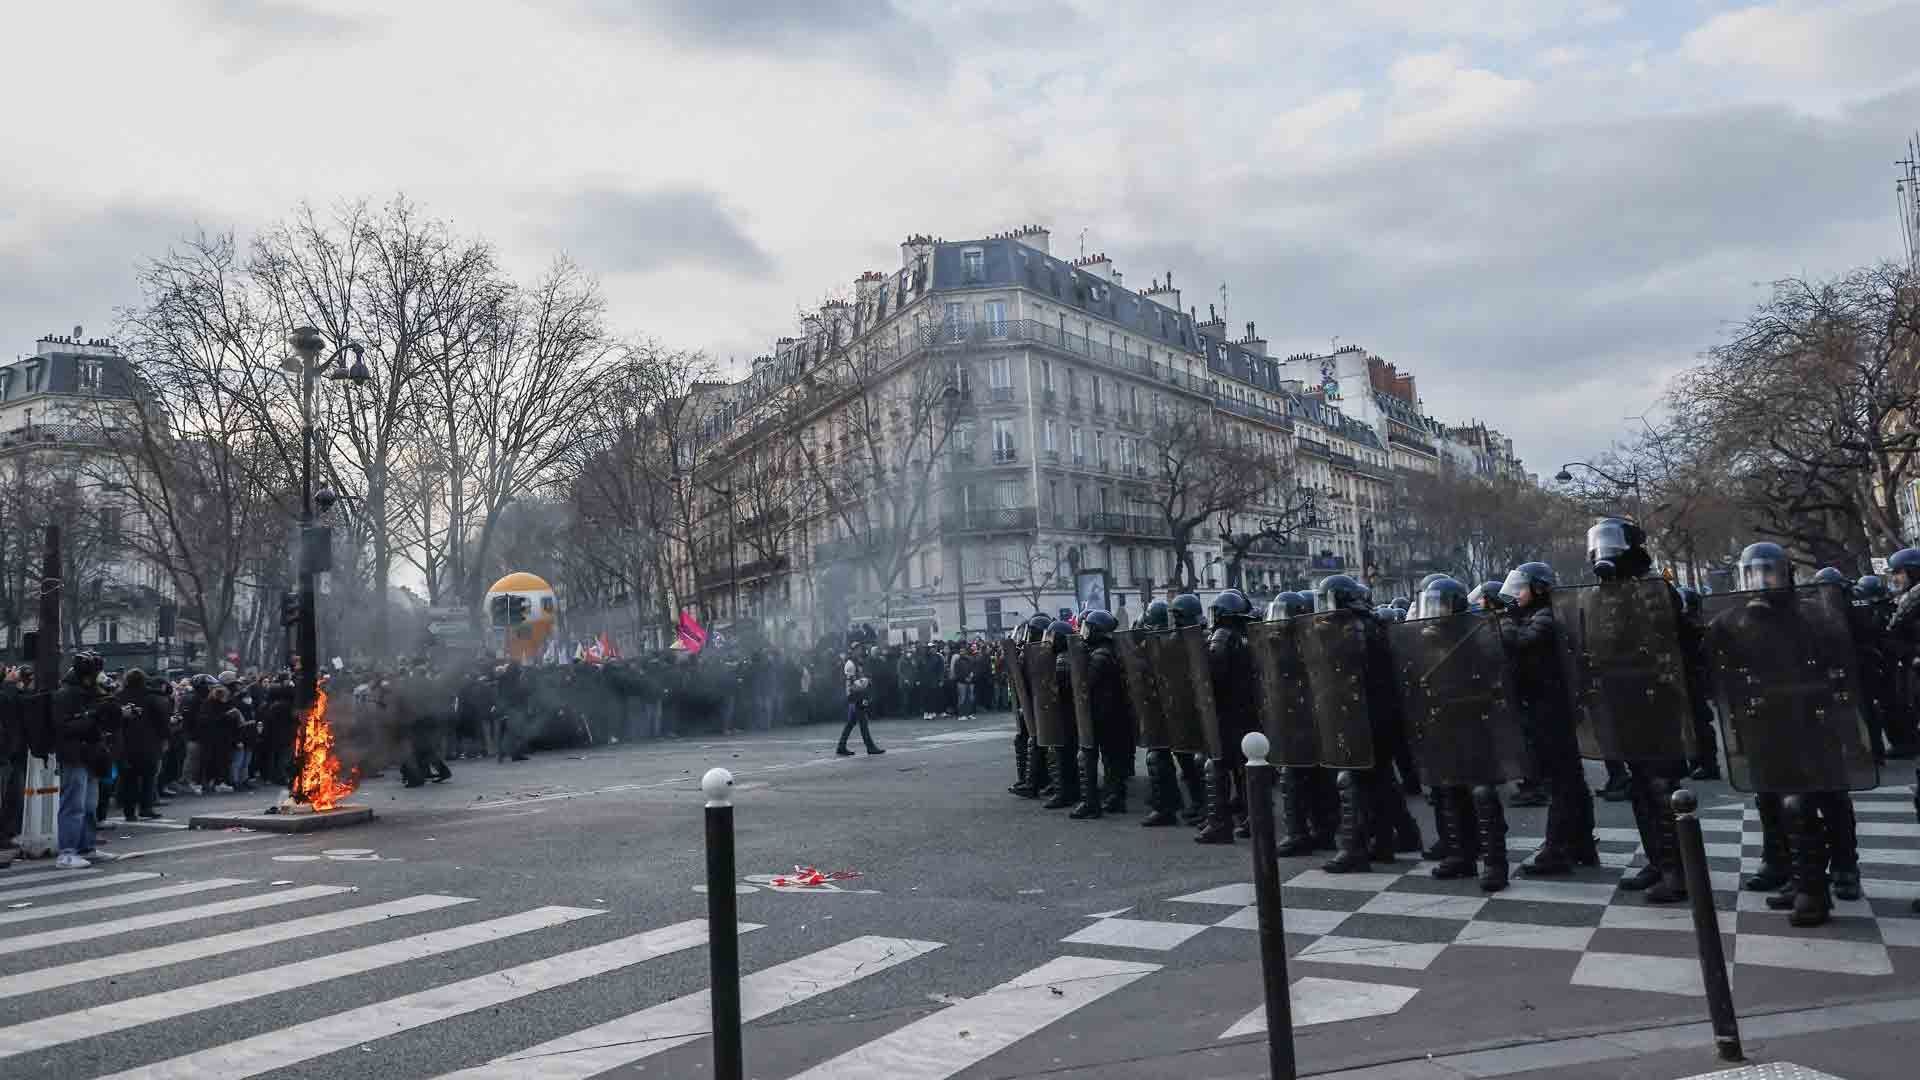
x=859, y=702
x=84, y=725
x=1902, y=642
x=144, y=731
x=1531, y=637
x=1706, y=763
x=1112, y=719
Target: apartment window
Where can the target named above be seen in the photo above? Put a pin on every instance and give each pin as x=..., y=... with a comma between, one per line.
x=1053, y=496
x=973, y=266
x=1012, y=493
x=1048, y=431
x=970, y=560
x=1009, y=563
x=1073, y=444
x=1003, y=440
x=1073, y=385
x=1096, y=390
x=1133, y=397
x=33, y=376
x=1046, y=375
x=1000, y=372
x=1100, y=448
x=954, y=322
x=90, y=375
x=996, y=318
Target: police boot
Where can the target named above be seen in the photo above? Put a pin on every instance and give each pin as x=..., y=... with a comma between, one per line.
x=1451, y=826
x=1776, y=860
x=1193, y=779
x=1089, y=805
x=1812, y=904
x=1163, y=790
x=1323, y=809
x=1672, y=886
x=1646, y=877
x=1843, y=845
x=1022, y=779
x=1351, y=839
x=1066, y=779
x=1490, y=820
x=1218, y=828
x=1296, y=835
x=1406, y=831
x=1040, y=771
x=1116, y=768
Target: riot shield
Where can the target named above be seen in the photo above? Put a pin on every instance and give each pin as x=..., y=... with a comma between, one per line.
x=1193, y=640
x=1463, y=720
x=1173, y=677
x=1788, y=684
x=1016, y=678
x=1286, y=711
x=1051, y=722
x=1620, y=652
x=1333, y=649
x=1082, y=682
x=1137, y=667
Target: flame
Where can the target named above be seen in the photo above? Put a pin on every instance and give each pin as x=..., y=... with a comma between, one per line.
x=319, y=783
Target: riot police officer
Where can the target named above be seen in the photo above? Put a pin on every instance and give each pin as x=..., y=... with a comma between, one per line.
x=1456, y=848
x=1112, y=749
x=1374, y=821
x=1903, y=644
x=1163, y=782
x=1309, y=802
x=1818, y=826
x=1186, y=610
x=1029, y=757
x=1868, y=624
x=1531, y=636
x=1706, y=762
x=1065, y=768
x=1230, y=668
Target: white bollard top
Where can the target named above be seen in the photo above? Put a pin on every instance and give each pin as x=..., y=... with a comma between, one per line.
x=1255, y=746
x=718, y=785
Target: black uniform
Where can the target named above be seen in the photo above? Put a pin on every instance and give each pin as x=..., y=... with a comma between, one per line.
x=1531, y=637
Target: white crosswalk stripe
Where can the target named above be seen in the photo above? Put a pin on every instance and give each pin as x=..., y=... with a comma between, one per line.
x=126, y=899
x=64, y=886
x=28, y=875
x=127, y=963
x=972, y=1030
x=304, y=1042
x=101, y=1019
x=675, y=1023
x=932, y=1047
x=111, y=927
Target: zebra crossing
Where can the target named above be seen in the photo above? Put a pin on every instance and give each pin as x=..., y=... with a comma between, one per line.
x=71, y=999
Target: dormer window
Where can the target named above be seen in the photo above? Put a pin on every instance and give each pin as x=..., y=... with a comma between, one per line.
x=33, y=376
x=89, y=374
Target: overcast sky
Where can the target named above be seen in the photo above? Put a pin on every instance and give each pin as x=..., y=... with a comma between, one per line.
x=1540, y=207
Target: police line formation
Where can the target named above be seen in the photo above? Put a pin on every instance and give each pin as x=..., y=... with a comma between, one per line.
x=1473, y=687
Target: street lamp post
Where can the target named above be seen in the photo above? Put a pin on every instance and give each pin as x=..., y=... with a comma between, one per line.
x=306, y=361
x=1632, y=483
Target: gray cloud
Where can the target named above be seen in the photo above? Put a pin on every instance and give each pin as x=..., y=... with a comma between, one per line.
x=629, y=232
x=66, y=268
x=861, y=34
x=282, y=20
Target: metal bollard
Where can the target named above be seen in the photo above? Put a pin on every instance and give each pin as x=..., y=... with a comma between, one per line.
x=723, y=926
x=1266, y=893
x=1706, y=928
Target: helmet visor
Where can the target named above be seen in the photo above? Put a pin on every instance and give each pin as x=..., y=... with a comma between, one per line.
x=1764, y=573
x=1518, y=587
x=1325, y=599
x=1607, y=540
x=1433, y=604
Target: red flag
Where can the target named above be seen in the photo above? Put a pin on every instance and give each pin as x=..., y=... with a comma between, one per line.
x=693, y=636
x=607, y=649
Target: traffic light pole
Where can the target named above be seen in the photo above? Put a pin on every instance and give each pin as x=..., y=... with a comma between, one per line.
x=307, y=679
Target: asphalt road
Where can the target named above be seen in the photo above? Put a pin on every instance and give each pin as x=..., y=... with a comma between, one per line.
x=542, y=917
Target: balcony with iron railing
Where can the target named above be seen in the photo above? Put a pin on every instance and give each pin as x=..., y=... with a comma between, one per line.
x=1005, y=455
x=53, y=435
x=1252, y=411
x=1413, y=443
x=1305, y=445
x=994, y=519
x=856, y=547
x=1122, y=524
x=1001, y=393
x=1015, y=332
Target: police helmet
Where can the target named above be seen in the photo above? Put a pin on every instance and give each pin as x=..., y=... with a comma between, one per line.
x=1529, y=581
x=1764, y=566
x=1038, y=626
x=1096, y=624
x=1441, y=597
x=1339, y=591
x=1870, y=589
x=85, y=669
x=1616, y=547
x=1155, y=617
x=1187, y=610
x=1429, y=580
x=1903, y=567
x=1231, y=605
x=1058, y=633
x=1830, y=575
x=1387, y=613
x=1482, y=596
x=1402, y=603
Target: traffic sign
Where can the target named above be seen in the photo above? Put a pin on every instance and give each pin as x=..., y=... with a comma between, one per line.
x=448, y=628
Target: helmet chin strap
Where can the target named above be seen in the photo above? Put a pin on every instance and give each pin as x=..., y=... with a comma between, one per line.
x=1604, y=570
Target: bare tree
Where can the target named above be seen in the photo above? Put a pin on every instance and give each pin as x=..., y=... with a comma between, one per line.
x=1200, y=471
x=1809, y=406
x=1034, y=568
x=1267, y=528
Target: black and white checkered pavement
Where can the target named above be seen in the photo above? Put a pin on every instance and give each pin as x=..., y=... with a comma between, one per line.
x=1400, y=919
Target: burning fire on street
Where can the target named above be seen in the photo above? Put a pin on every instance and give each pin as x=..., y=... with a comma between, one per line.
x=321, y=782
